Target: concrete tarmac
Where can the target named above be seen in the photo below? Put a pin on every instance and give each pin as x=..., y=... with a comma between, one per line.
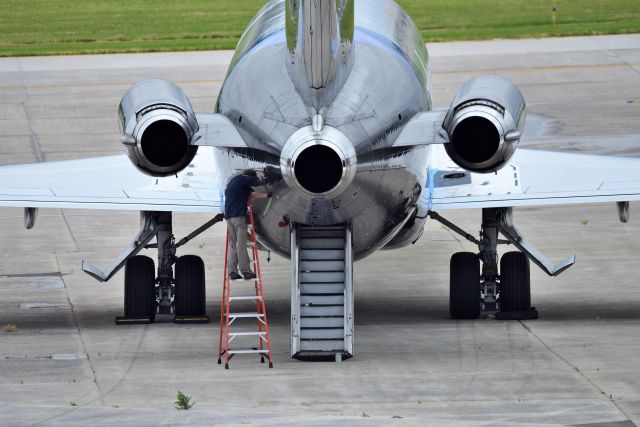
x=579, y=364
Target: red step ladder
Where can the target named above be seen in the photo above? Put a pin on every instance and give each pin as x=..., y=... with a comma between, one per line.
x=229, y=318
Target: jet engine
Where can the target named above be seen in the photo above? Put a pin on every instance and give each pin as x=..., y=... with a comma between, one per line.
x=484, y=123
x=157, y=124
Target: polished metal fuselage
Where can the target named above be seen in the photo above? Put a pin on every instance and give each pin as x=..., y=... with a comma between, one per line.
x=384, y=86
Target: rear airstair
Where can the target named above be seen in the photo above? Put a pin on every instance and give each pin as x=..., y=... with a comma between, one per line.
x=321, y=292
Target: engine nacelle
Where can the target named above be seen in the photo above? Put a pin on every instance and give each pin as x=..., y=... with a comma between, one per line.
x=485, y=123
x=158, y=124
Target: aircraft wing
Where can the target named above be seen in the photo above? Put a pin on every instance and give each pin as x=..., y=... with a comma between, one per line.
x=112, y=183
x=532, y=178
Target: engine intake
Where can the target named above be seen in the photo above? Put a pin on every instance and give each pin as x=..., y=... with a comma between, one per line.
x=484, y=123
x=158, y=124
x=318, y=161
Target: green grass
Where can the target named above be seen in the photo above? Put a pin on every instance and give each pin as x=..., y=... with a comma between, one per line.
x=47, y=27
x=486, y=19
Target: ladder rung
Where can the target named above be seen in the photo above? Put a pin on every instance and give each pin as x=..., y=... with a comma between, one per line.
x=244, y=334
x=247, y=350
x=246, y=314
x=250, y=297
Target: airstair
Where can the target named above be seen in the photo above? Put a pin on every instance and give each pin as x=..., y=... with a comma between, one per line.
x=238, y=327
x=321, y=292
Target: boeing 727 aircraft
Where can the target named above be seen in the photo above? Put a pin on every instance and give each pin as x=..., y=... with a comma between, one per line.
x=330, y=101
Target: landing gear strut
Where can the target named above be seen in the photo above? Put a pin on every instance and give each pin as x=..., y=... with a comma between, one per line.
x=507, y=289
x=488, y=253
x=166, y=259
x=147, y=291
x=473, y=290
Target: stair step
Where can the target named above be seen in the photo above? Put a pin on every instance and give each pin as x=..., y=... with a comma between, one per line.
x=322, y=322
x=321, y=345
x=319, y=310
x=322, y=265
x=311, y=300
x=246, y=297
x=321, y=254
x=322, y=277
x=322, y=229
x=247, y=350
x=245, y=334
x=244, y=280
x=324, y=333
x=245, y=314
x=322, y=243
x=315, y=234
x=321, y=288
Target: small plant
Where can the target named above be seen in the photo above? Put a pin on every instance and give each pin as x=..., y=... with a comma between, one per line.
x=73, y=404
x=183, y=401
x=364, y=414
x=10, y=328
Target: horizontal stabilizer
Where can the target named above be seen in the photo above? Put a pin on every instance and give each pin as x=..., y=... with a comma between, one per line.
x=423, y=128
x=216, y=130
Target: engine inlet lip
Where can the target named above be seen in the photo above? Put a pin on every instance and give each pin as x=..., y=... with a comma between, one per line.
x=491, y=116
x=153, y=117
x=329, y=137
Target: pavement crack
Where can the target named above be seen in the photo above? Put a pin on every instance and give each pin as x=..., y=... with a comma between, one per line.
x=36, y=147
x=46, y=274
x=615, y=54
x=82, y=341
x=84, y=348
x=609, y=397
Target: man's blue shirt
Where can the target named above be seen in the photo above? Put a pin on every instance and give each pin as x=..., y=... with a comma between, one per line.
x=236, y=195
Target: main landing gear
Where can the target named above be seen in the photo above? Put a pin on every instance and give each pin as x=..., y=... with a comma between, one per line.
x=149, y=291
x=476, y=282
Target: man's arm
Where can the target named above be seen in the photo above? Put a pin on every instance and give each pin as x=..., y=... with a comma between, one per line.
x=255, y=182
x=260, y=195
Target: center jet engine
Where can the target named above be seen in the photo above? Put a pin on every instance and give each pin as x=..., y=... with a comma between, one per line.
x=319, y=161
x=158, y=125
x=485, y=123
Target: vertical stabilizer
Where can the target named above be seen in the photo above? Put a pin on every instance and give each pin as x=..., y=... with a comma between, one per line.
x=319, y=40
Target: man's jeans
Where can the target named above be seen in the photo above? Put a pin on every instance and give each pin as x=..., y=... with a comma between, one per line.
x=237, y=228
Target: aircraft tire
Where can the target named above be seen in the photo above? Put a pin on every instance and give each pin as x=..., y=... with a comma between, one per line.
x=464, y=290
x=139, y=287
x=515, y=282
x=189, y=294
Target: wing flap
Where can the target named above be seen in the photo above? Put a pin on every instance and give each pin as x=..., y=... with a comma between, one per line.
x=536, y=178
x=111, y=183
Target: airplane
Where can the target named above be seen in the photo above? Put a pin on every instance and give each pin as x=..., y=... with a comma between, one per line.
x=330, y=101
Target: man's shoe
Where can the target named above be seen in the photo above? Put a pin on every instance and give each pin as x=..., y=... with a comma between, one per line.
x=234, y=275
x=248, y=275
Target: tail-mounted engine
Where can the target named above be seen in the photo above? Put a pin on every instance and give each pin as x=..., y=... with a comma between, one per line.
x=158, y=124
x=485, y=123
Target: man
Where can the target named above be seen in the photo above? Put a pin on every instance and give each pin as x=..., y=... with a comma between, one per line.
x=235, y=212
